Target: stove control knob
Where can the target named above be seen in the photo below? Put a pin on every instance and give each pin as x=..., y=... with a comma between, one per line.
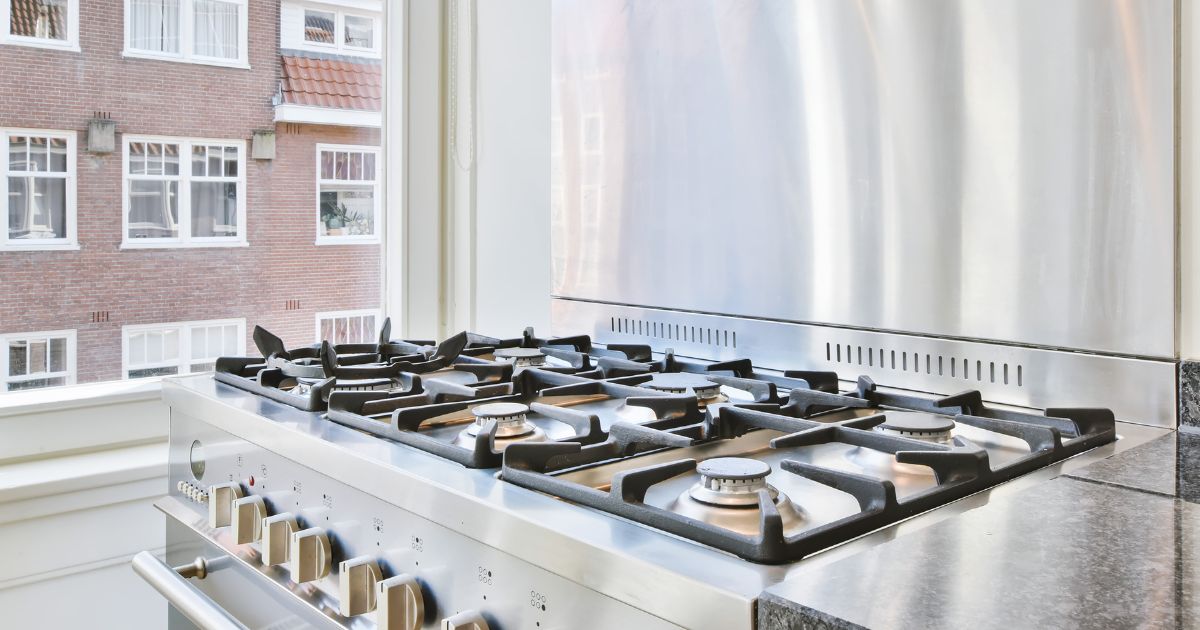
x=248, y=515
x=220, y=503
x=358, y=579
x=401, y=604
x=310, y=555
x=465, y=620
x=277, y=538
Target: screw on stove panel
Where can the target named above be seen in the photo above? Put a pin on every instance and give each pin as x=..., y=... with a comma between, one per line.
x=192, y=491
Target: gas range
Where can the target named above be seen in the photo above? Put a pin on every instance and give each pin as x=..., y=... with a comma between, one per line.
x=570, y=483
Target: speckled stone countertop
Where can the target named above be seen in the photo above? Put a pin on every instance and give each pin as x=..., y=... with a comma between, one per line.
x=1113, y=545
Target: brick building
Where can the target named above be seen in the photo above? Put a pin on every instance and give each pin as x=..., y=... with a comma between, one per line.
x=177, y=171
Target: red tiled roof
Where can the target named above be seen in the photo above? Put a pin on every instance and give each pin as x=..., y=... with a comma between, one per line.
x=26, y=14
x=332, y=83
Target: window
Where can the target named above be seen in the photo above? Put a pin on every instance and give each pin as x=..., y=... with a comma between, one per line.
x=199, y=31
x=40, y=359
x=182, y=193
x=38, y=189
x=329, y=29
x=41, y=23
x=349, y=326
x=347, y=194
x=180, y=347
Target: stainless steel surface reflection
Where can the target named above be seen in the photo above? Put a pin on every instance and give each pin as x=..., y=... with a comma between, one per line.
x=980, y=170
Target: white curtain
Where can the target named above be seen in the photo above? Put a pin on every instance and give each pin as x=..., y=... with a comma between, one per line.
x=216, y=29
x=154, y=25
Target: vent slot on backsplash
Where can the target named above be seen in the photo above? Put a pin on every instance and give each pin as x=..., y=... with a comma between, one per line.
x=717, y=337
x=957, y=367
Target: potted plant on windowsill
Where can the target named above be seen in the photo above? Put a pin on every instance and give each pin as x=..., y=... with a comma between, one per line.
x=336, y=217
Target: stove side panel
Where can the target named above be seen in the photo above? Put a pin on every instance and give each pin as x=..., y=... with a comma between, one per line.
x=992, y=171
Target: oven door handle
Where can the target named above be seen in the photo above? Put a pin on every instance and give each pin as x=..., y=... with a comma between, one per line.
x=173, y=584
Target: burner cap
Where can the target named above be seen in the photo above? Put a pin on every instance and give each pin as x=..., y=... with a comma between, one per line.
x=920, y=426
x=500, y=411
x=681, y=382
x=520, y=356
x=731, y=481
x=509, y=417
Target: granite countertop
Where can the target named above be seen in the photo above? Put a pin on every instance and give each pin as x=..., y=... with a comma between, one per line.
x=1112, y=545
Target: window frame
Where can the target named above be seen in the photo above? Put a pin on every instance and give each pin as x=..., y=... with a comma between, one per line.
x=339, y=45
x=377, y=195
x=70, y=374
x=187, y=26
x=185, y=178
x=71, y=240
x=70, y=44
x=363, y=312
x=184, y=360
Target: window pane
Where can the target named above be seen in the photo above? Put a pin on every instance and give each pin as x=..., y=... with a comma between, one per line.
x=37, y=207
x=37, y=383
x=18, y=361
x=214, y=342
x=368, y=328
x=354, y=329
x=137, y=158
x=356, y=166
x=216, y=32
x=58, y=355
x=199, y=342
x=39, y=156
x=341, y=168
x=58, y=155
x=339, y=330
x=158, y=371
x=318, y=26
x=18, y=148
x=214, y=161
x=137, y=349
x=43, y=19
x=153, y=209
x=360, y=31
x=327, y=165
x=214, y=209
x=369, y=167
x=154, y=25
x=231, y=161
x=170, y=159
x=230, y=339
x=170, y=345
x=37, y=356
x=18, y=205
x=347, y=210
x=326, y=329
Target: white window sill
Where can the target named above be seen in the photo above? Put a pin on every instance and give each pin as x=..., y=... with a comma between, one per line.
x=181, y=244
x=18, y=246
x=77, y=396
x=235, y=64
x=36, y=43
x=348, y=240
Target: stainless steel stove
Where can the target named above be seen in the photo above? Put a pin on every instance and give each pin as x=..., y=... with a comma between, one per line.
x=625, y=489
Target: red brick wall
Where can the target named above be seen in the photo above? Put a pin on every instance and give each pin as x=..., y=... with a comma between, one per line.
x=58, y=290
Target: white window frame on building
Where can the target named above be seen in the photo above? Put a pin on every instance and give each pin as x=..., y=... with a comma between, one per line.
x=294, y=22
x=186, y=36
x=183, y=193
x=348, y=315
x=376, y=195
x=68, y=375
x=70, y=240
x=71, y=43
x=183, y=362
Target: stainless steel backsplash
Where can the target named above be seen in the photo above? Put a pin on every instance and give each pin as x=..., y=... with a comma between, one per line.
x=995, y=173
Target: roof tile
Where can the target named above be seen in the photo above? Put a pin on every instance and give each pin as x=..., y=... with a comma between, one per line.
x=331, y=83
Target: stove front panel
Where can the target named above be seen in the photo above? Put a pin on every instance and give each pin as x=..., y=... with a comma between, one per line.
x=457, y=573
x=976, y=170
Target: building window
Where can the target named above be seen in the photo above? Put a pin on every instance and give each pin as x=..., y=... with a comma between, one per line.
x=181, y=193
x=347, y=194
x=40, y=359
x=180, y=347
x=41, y=23
x=349, y=326
x=38, y=189
x=331, y=29
x=199, y=31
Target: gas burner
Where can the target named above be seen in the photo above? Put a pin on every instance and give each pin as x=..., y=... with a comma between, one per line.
x=727, y=495
x=680, y=382
x=521, y=357
x=918, y=426
x=511, y=424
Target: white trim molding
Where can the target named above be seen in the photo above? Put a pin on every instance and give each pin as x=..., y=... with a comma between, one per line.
x=67, y=374
x=186, y=38
x=183, y=177
x=327, y=116
x=70, y=239
x=70, y=44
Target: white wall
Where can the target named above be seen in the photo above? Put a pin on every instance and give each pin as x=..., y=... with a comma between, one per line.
x=512, y=186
